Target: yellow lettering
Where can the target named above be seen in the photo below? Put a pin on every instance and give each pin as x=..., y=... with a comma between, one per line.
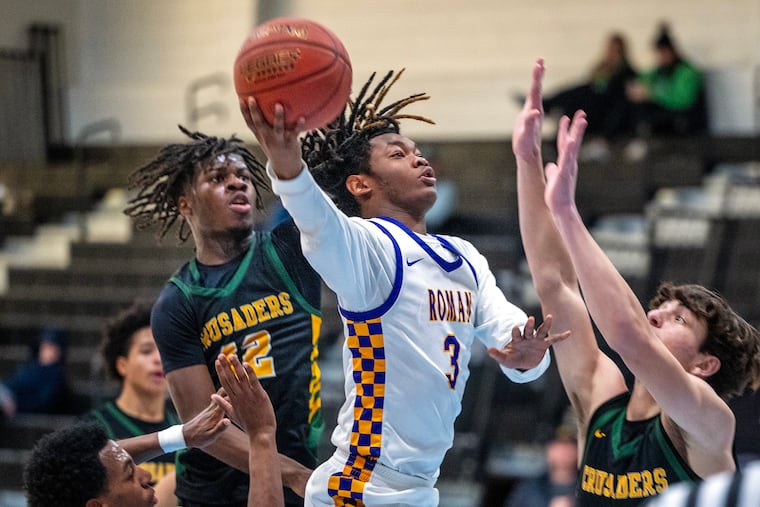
x=647, y=483
x=224, y=323
x=213, y=330
x=587, y=483
x=274, y=306
x=237, y=320
x=622, y=487
x=285, y=303
x=609, y=486
x=460, y=305
x=261, y=310
x=601, y=475
x=250, y=315
x=660, y=479
x=634, y=490
x=468, y=299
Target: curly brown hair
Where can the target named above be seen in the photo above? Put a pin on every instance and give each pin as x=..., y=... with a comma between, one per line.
x=730, y=338
x=342, y=148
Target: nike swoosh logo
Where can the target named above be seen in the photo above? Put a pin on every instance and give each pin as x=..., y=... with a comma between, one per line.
x=412, y=263
x=599, y=434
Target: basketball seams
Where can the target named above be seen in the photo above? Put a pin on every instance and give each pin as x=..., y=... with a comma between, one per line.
x=298, y=63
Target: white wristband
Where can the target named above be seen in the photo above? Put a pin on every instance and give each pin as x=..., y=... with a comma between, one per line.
x=171, y=439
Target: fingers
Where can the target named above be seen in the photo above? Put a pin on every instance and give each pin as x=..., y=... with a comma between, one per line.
x=534, y=98
x=222, y=403
x=530, y=327
x=578, y=126
x=556, y=338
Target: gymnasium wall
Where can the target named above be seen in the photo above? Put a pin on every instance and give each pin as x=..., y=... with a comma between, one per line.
x=133, y=61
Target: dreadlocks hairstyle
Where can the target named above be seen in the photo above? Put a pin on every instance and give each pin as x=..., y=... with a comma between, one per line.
x=162, y=180
x=342, y=148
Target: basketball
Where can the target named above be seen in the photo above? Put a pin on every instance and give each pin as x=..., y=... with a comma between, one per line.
x=298, y=63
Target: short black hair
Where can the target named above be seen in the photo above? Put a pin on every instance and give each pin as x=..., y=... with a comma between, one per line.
x=118, y=333
x=65, y=468
x=335, y=152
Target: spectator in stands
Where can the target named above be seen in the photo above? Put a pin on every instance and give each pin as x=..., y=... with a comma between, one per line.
x=556, y=486
x=602, y=96
x=40, y=386
x=131, y=358
x=668, y=99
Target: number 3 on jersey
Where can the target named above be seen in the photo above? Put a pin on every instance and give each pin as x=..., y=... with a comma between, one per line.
x=451, y=345
x=256, y=349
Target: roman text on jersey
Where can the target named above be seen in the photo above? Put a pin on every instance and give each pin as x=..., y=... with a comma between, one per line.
x=450, y=305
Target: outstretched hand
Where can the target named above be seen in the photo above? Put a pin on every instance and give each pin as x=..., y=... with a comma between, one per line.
x=562, y=176
x=248, y=402
x=528, y=347
x=279, y=143
x=526, y=137
x=205, y=428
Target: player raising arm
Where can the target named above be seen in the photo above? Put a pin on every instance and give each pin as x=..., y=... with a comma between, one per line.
x=689, y=353
x=412, y=303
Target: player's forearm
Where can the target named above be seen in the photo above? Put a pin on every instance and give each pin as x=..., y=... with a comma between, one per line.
x=610, y=301
x=142, y=447
x=550, y=264
x=264, y=470
x=294, y=475
x=231, y=448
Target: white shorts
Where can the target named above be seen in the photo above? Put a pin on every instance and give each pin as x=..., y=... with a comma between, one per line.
x=341, y=481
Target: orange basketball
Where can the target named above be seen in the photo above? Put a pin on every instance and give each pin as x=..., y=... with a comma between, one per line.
x=299, y=64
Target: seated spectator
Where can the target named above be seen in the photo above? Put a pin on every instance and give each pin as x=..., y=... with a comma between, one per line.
x=670, y=98
x=602, y=96
x=40, y=386
x=131, y=358
x=556, y=486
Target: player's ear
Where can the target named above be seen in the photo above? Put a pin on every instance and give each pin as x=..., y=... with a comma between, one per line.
x=93, y=502
x=359, y=185
x=707, y=365
x=183, y=206
x=121, y=365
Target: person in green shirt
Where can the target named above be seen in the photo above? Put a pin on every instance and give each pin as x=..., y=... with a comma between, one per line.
x=670, y=98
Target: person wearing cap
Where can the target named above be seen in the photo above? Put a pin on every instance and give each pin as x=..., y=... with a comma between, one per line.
x=669, y=98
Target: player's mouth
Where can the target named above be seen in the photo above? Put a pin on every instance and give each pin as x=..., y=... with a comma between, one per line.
x=428, y=176
x=240, y=203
